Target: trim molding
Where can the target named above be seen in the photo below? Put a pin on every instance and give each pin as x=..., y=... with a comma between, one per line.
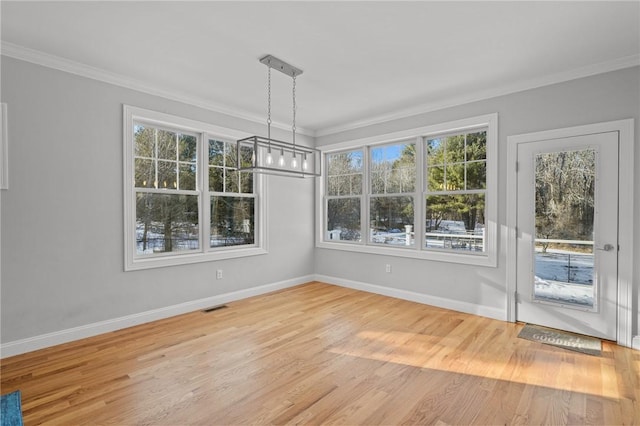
x=490, y=121
x=4, y=148
x=61, y=64
x=574, y=74
x=440, y=302
x=133, y=262
x=51, y=61
x=76, y=333
x=625, y=129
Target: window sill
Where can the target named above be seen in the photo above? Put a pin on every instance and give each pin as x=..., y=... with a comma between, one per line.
x=488, y=259
x=189, y=258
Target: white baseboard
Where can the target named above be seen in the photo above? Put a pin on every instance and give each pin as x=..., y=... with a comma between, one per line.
x=63, y=336
x=635, y=343
x=454, y=305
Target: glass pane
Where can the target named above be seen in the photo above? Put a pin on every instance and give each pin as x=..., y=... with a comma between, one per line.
x=145, y=173
x=457, y=163
x=188, y=148
x=435, y=178
x=404, y=179
x=477, y=146
x=167, y=175
x=345, y=185
x=455, y=177
x=187, y=176
x=391, y=221
x=454, y=149
x=455, y=222
x=216, y=179
x=166, y=144
x=344, y=163
x=378, y=181
x=333, y=185
x=477, y=175
x=564, y=211
x=232, y=221
x=166, y=223
x=355, y=184
x=343, y=219
x=246, y=154
x=144, y=141
x=216, y=153
x=230, y=155
x=344, y=173
x=393, y=168
x=246, y=183
x=231, y=181
x=435, y=152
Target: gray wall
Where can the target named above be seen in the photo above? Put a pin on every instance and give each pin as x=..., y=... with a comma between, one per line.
x=62, y=217
x=605, y=97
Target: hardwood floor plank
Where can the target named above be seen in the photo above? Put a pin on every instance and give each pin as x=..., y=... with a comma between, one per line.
x=322, y=354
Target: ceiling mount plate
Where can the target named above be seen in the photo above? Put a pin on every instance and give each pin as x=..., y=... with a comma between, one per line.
x=280, y=65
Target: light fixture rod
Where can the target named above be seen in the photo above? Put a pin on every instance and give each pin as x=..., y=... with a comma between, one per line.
x=280, y=65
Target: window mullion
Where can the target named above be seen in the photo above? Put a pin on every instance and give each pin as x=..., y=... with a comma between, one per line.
x=365, y=197
x=177, y=161
x=194, y=207
x=419, y=217
x=202, y=171
x=224, y=167
x=452, y=180
x=465, y=162
x=155, y=158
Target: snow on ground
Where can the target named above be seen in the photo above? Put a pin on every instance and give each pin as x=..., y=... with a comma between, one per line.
x=561, y=292
x=561, y=276
x=565, y=266
x=564, y=276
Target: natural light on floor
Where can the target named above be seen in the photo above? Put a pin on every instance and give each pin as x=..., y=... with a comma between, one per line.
x=443, y=353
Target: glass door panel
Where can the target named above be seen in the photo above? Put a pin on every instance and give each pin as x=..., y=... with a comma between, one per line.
x=564, y=228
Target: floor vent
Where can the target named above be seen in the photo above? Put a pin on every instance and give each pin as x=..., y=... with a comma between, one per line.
x=214, y=308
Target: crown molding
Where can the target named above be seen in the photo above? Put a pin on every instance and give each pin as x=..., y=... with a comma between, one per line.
x=594, y=69
x=56, y=62
x=51, y=61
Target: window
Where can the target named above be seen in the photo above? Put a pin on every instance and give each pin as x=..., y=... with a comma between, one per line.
x=456, y=170
x=231, y=196
x=425, y=193
x=393, y=184
x=167, y=218
x=184, y=200
x=344, y=196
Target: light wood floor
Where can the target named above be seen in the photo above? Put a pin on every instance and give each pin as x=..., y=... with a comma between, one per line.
x=320, y=354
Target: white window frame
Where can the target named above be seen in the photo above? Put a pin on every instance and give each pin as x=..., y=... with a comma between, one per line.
x=204, y=132
x=361, y=196
x=487, y=258
x=369, y=195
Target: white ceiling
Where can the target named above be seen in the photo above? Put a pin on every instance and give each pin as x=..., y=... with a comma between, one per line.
x=362, y=61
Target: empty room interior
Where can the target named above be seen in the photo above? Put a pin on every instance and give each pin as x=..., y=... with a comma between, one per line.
x=320, y=212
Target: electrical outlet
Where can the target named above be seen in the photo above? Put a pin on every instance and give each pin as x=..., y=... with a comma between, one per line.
x=219, y=274
x=388, y=268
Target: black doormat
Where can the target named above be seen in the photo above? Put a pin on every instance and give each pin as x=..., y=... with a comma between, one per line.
x=562, y=339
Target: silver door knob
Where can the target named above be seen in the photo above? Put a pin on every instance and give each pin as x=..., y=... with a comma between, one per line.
x=607, y=247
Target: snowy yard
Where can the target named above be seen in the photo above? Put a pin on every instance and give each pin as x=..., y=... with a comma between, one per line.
x=565, y=277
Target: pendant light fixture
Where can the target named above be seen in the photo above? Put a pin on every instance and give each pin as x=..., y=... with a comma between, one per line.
x=270, y=156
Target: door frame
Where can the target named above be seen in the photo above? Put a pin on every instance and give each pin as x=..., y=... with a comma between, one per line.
x=625, y=129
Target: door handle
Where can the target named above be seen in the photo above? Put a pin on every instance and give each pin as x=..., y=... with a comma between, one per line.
x=607, y=247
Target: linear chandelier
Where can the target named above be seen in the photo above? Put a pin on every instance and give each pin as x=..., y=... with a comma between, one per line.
x=270, y=156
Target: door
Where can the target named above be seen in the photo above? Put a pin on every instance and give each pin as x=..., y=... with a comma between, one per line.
x=567, y=248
